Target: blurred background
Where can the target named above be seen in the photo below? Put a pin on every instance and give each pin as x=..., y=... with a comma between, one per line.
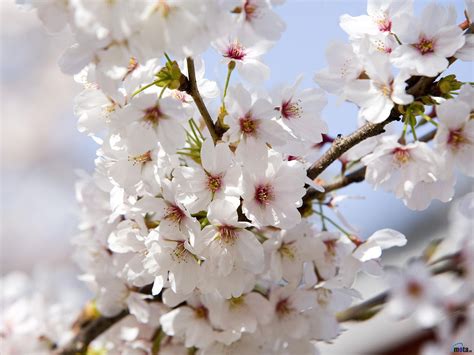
x=41, y=149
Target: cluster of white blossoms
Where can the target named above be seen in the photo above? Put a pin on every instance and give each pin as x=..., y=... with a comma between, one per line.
x=388, y=47
x=444, y=304
x=196, y=224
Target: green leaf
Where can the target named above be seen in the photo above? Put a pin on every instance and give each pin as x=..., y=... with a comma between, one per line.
x=448, y=84
x=169, y=76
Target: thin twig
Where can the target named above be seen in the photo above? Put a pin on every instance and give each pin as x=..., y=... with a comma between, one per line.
x=343, y=144
x=419, y=87
x=194, y=92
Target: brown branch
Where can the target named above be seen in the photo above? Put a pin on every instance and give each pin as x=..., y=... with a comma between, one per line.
x=369, y=307
x=343, y=144
x=89, y=327
x=88, y=332
x=418, y=87
x=353, y=177
x=194, y=92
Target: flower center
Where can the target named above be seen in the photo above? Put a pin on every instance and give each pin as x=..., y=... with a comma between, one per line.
x=152, y=115
x=180, y=253
x=384, y=24
x=248, y=126
x=236, y=302
x=283, y=308
x=201, y=312
x=140, y=159
x=456, y=138
x=425, y=46
x=401, y=155
x=180, y=96
x=163, y=7
x=323, y=296
x=330, y=246
x=291, y=109
x=414, y=289
x=264, y=194
x=108, y=109
x=174, y=214
x=227, y=234
x=386, y=90
x=214, y=183
x=287, y=250
x=235, y=51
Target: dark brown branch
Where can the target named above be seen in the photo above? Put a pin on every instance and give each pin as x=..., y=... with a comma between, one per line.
x=194, y=92
x=88, y=332
x=353, y=177
x=418, y=87
x=88, y=328
x=343, y=144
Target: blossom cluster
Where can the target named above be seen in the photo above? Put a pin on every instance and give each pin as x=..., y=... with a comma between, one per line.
x=201, y=230
x=444, y=303
x=388, y=47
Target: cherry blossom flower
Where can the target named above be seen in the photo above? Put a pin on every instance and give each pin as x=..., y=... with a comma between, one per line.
x=300, y=111
x=128, y=165
x=129, y=239
x=192, y=324
x=330, y=251
x=412, y=172
x=172, y=257
x=343, y=68
x=381, y=15
x=247, y=58
x=455, y=135
x=256, y=17
x=412, y=291
x=287, y=251
x=232, y=254
x=218, y=179
x=114, y=296
x=95, y=111
x=289, y=321
x=378, y=95
x=252, y=120
x=240, y=314
x=427, y=41
x=164, y=117
x=272, y=191
x=466, y=51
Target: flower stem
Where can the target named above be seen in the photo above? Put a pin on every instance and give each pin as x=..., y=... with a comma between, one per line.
x=413, y=130
x=162, y=91
x=333, y=223
x=230, y=69
x=323, y=221
x=168, y=59
x=144, y=88
x=430, y=120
